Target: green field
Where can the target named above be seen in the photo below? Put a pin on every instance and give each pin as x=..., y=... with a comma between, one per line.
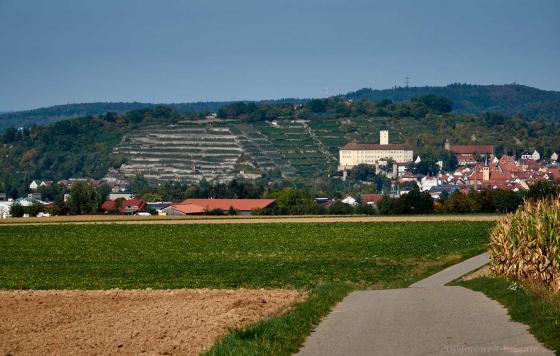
x=226, y=256
x=326, y=259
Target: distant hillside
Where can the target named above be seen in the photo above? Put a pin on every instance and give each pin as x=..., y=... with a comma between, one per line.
x=45, y=116
x=510, y=99
x=250, y=140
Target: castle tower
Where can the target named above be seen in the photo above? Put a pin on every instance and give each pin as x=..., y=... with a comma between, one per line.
x=384, y=137
x=486, y=171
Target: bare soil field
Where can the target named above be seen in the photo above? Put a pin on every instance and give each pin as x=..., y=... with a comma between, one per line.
x=122, y=219
x=182, y=321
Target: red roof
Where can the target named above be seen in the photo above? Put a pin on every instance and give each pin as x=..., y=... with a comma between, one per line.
x=371, y=198
x=127, y=206
x=224, y=204
x=108, y=205
x=465, y=149
x=188, y=208
x=132, y=206
x=369, y=146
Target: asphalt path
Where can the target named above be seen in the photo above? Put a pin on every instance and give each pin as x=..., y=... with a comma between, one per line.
x=428, y=318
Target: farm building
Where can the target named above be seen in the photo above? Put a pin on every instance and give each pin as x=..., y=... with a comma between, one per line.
x=201, y=206
x=353, y=154
x=130, y=206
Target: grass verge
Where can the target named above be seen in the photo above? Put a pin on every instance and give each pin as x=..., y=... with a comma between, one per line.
x=531, y=305
x=283, y=335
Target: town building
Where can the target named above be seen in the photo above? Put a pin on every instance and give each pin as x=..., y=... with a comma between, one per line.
x=120, y=195
x=353, y=154
x=468, y=154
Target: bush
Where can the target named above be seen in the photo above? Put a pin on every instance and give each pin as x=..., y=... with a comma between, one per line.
x=17, y=210
x=526, y=244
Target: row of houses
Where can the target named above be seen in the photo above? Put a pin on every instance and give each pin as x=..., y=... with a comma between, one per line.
x=505, y=173
x=117, y=185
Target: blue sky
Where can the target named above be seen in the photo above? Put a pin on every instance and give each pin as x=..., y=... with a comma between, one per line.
x=67, y=51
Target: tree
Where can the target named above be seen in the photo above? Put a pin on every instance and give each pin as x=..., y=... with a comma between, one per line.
x=317, y=105
x=362, y=172
x=104, y=190
x=387, y=205
x=151, y=197
x=139, y=185
x=435, y=103
x=450, y=162
x=17, y=210
x=83, y=199
x=294, y=201
x=483, y=201
x=415, y=202
x=35, y=208
x=59, y=206
x=340, y=208
x=458, y=202
x=506, y=201
x=542, y=190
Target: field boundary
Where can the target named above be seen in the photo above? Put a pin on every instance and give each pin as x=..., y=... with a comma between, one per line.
x=94, y=219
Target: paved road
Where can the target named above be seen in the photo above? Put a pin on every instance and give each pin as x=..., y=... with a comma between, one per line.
x=427, y=318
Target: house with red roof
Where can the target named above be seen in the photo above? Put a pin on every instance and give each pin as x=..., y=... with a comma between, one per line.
x=203, y=206
x=127, y=206
x=371, y=199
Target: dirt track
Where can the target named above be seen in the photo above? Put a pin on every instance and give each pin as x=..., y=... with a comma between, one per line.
x=95, y=219
x=184, y=322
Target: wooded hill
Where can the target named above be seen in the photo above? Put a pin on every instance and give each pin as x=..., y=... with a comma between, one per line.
x=302, y=142
x=512, y=99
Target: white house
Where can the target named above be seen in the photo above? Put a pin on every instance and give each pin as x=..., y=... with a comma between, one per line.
x=349, y=200
x=428, y=182
x=28, y=201
x=536, y=156
x=5, y=207
x=34, y=185
x=554, y=157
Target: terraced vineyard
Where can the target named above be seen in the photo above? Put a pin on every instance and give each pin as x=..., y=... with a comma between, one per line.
x=187, y=151
x=297, y=145
x=218, y=150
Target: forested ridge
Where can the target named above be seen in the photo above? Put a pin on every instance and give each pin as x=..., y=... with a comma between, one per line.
x=511, y=99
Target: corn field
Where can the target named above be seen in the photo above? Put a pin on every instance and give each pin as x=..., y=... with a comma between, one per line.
x=526, y=244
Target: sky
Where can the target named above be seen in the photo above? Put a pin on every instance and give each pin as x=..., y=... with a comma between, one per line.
x=67, y=51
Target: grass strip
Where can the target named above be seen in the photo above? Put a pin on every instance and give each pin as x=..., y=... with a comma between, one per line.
x=283, y=334
x=531, y=305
